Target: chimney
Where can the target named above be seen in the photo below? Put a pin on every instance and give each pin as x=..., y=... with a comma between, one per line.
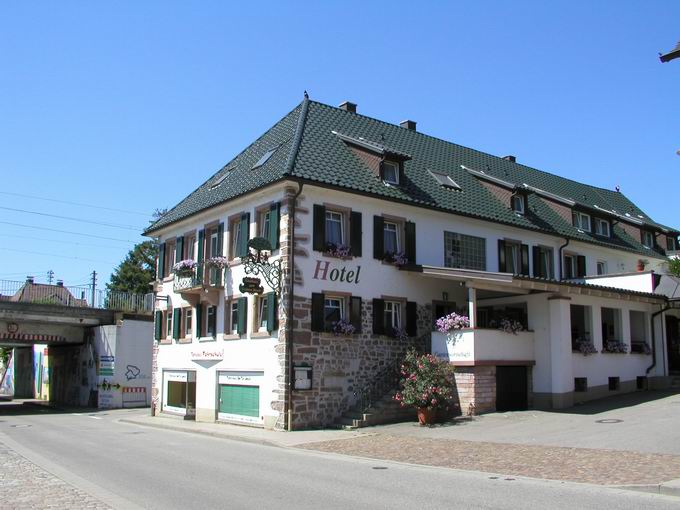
x=60, y=283
x=29, y=279
x=408, y=124
x=512, y=159
x=348, y=106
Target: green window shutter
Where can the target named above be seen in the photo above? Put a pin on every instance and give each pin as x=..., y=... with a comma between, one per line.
x=242, y=315
x=319, y=233
x=199, y=320
x=274, y=221
x=378, y=317
x=317, y=312
x=176, y=322
x=355, y=313
x=158, y=325
x=179, y=249
x=411, y=318
x=580, y=266
x=525, y=259
x=245, y=235
x=161, y=261
x=378, y=237
x=201, y=254
x=272, y=312
x=410, y=242
x=538, y=267
x=355, y=233
x=220, y=239
x=501, y=256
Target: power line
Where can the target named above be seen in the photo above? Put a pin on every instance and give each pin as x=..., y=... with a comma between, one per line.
x=75, y=203
x=66, y=232
x=59, y=256
x=73, y=243
x=114, y=225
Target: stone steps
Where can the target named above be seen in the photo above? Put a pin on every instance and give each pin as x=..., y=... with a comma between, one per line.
x=384, y=410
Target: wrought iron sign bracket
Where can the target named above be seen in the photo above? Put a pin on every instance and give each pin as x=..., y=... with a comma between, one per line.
x=257, y=263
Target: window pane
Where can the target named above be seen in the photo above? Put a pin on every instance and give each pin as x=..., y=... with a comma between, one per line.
x=464, y=252
x=391, y=240
x=390, y=173
x=264, y=225
x=235, y=237
x=234, y=316
x=334, y=228
x=263, y=312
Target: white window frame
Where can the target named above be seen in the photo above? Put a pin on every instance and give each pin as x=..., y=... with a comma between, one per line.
x=207, y=321
x=599, y=230
x=168, y=323
x=578, y=219
x=214, y=243
x=263, y=230
x=262, y=312
x=397, y=230
x=396, y=167
x=233, y=324
x=338, y=217
x=341, y=307
x=393, y=308
x=235, y=234
x=188, y=322
x=571, y=259
x=516, y=249
x=518, y=204
x=646, y=235
x=601, y=267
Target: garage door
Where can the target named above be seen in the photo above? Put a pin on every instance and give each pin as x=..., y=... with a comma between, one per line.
x=240, y=400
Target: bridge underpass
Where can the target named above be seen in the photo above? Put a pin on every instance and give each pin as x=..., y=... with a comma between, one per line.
x=53, y=349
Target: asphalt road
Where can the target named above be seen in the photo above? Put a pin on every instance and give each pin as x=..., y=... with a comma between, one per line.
x=129, y=466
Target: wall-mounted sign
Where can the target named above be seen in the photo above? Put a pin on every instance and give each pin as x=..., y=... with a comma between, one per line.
x=303, y=377
x=323, y=271
x=12, y=327
x=251, y=285
x=207, y=355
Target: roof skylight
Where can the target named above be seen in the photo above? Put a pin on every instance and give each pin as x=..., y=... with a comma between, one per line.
x=265, y=157
x=444, y=180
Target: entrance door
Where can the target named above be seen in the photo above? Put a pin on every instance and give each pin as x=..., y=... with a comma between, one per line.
x=673, y=343
x=240, y=400
x=511, y=389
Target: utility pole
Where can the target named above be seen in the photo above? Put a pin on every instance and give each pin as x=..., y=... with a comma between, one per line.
x=50, y=276
x=94, y=287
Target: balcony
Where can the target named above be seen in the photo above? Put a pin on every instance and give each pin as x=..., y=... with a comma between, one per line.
x=484, y=347
x=200, y=278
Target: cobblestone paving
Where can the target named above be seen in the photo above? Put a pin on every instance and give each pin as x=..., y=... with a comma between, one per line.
x=604, y=467
x=24, y=485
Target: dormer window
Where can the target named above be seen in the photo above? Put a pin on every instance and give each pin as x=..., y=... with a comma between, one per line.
x=602, y=227
x=581, y=221
x=518, y=204
x=671, y=243
x=390, y=172
x=647, y=239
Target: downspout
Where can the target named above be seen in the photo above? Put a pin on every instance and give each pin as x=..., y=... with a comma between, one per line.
x=560, y=258
x=289, y=320
x=665, y=308
x=290, y=165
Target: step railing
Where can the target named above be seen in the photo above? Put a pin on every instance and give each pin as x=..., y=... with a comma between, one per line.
x=385, y=380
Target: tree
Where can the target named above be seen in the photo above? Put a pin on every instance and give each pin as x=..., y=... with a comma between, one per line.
x=674, y=267
x=137, y=271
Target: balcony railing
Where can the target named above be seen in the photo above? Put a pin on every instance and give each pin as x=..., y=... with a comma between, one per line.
x=202, y=276
x=472, y=345
x=75, y=296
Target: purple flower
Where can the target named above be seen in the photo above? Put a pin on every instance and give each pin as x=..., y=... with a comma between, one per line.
x=452, y=322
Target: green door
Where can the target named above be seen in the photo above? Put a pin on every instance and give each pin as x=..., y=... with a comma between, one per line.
x=242, y=400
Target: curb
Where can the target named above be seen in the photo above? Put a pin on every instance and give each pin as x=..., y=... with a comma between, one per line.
x=669, y=488
x=165, y=426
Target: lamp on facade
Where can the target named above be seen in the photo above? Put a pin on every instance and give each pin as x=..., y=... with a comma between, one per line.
x=256, y=263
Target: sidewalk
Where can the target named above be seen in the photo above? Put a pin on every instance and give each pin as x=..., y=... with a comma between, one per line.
x=242, y=433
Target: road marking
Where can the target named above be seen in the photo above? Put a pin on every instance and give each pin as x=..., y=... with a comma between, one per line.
x=95, y=417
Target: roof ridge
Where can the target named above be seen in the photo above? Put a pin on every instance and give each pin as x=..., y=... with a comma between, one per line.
x=472, y=149
x=299, y=130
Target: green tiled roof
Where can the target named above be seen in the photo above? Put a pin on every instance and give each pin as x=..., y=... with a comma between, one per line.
x=312, y=146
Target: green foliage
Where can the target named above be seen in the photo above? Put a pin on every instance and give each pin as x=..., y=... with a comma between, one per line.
x=674, y=266
x=137, y=271
x=426, y=381
x=4, y=355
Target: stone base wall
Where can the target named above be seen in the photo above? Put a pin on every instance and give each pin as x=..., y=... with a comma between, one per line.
x=476, y=390
x=343, y=365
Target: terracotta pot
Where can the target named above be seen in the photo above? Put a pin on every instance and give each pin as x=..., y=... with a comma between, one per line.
x=427, y=415
x=640, y=266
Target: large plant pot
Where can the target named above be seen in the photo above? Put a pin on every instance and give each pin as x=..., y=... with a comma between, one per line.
x=427, y=415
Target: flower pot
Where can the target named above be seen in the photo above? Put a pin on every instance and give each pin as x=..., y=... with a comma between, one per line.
x=427, y=415
x=640, y=267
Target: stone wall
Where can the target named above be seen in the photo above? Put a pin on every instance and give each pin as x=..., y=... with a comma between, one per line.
x=343, y=365
x=476, y=390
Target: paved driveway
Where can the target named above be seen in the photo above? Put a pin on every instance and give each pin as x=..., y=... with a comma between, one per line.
x=647, y=422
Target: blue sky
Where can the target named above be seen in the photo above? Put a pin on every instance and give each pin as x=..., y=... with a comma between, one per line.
x=131, y=105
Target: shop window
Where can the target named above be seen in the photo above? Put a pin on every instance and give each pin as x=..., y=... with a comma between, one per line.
x=638, y=332
x=581, y=221
x=464, y=252
x=581, y=327
x=177, y=394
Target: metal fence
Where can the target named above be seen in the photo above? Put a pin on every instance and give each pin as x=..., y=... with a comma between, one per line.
x=81, y=296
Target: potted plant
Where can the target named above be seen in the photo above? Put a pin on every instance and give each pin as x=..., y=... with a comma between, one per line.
x=218, y=262
x=399, y=258
x=641, y=263
x=340, y=251
x=343, y=328
x=427, y=383
x=510, y=326
x=184, y=267
x=615, y=346
x=452, y=322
